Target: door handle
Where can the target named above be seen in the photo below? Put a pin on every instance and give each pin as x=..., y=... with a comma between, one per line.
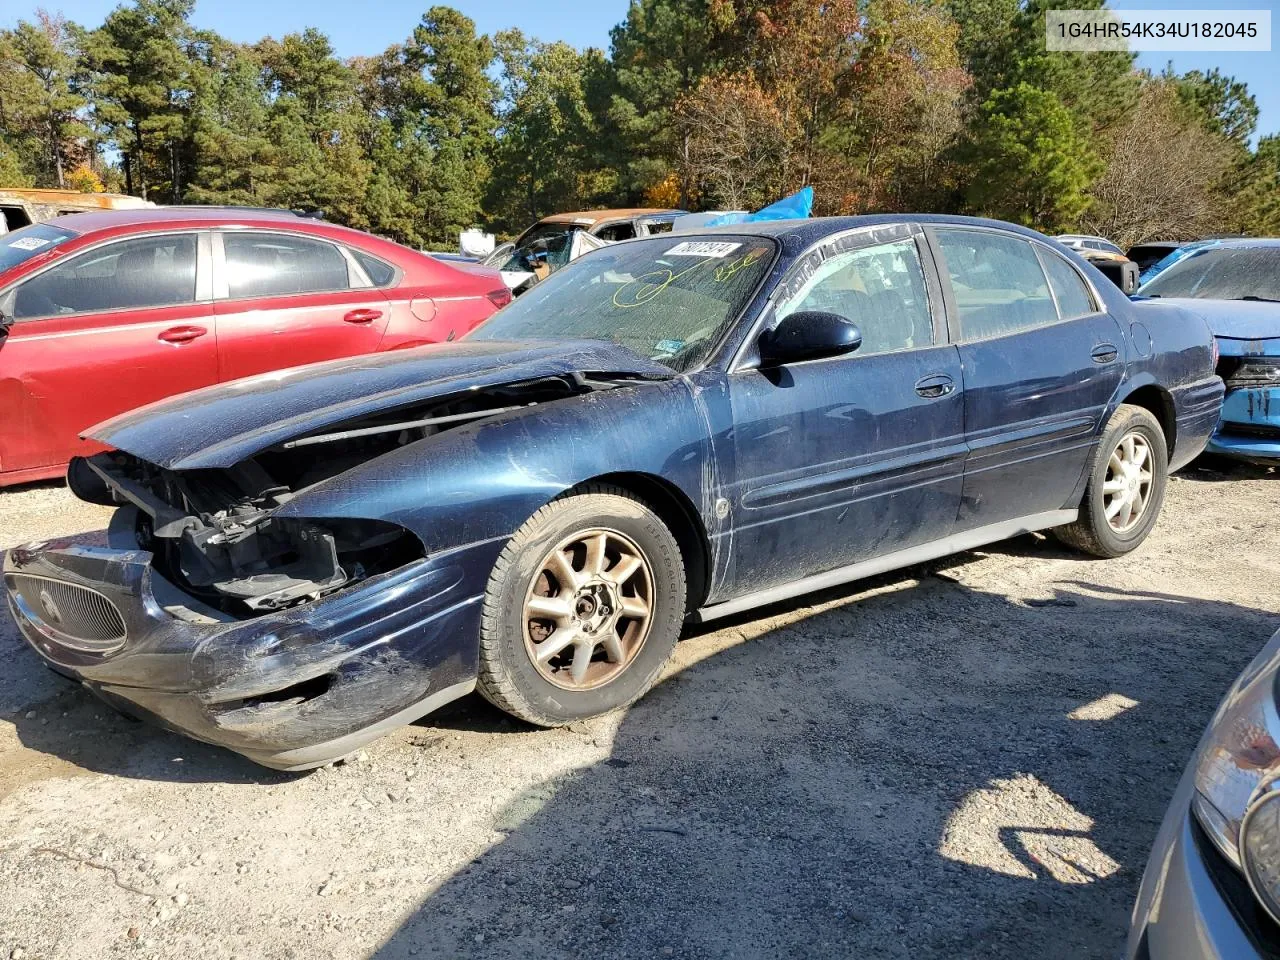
x=184, y=334
x=362, y=315
x=934, y=386
x=1105, y=353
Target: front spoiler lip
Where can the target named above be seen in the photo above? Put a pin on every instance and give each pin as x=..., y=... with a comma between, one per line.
x=401, y=641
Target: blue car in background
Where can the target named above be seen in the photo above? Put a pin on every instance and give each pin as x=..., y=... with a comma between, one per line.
x=1235, y=286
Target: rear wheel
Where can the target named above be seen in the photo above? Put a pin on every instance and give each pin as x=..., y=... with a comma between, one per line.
x=583, y=608
x=1126, y=486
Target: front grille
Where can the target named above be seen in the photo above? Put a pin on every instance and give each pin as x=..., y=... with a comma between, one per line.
x=79, y=617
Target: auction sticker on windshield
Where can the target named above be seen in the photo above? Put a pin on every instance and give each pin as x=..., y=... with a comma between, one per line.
x=702, y=248
x=29, y=243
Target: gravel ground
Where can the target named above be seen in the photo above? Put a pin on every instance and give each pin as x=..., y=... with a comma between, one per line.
x=964, y=759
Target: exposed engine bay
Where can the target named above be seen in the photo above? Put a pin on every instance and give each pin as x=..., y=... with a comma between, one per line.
x=214, y=533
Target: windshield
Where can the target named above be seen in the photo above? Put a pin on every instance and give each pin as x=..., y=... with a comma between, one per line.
x=666, y=300
x=1221, y=273
x=22, y=245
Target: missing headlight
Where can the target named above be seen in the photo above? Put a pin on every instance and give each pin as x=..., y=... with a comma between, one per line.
x=277, y=563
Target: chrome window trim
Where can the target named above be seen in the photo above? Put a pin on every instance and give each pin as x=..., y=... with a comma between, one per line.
x=98, y=245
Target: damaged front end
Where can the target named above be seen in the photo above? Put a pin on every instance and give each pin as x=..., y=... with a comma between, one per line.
x=237, y=619
x=214, y=534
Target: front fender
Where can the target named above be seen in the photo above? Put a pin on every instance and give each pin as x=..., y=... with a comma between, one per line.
x=485, y=479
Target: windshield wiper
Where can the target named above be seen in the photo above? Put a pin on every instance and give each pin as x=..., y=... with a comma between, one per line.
x=1257, y=299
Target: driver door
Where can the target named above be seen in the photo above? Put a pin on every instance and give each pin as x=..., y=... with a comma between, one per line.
x=110, y=329
x=847, y=458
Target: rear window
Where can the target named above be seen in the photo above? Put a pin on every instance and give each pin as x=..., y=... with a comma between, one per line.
x=22, y=245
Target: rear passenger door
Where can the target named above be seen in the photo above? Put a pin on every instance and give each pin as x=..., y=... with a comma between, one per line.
x=283, y=299
x=1041, y=362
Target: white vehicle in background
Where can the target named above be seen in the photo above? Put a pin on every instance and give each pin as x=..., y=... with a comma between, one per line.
x=1084, y=242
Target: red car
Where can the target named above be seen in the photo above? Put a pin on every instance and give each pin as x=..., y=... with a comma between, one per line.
x=103, y=312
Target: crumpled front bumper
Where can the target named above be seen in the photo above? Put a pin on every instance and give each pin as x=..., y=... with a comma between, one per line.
x=1250, y=424
x=290, y=690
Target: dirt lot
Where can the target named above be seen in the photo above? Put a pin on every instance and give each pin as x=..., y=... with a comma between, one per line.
x=969, y=758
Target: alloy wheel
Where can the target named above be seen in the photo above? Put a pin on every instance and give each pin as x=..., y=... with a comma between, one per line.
x=588, y=609
x=1126, y=490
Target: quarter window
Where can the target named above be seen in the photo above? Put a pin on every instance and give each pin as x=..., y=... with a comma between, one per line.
x=1074, y=299
x=380, y=274
x=273, y=265
x=879, y=288
x=997, y=281
x=131, y=274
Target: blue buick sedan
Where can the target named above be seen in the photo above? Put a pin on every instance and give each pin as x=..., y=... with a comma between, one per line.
x=669, y=428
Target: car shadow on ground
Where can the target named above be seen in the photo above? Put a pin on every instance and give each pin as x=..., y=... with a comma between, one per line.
x=1212, y=468
x=912, y=768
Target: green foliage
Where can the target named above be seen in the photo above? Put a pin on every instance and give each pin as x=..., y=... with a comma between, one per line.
x=945, y=105
x=543, y=157
x=1030, y=163
x=139, y=89
x=1224, y=103
x=1257, y=205
x=40, y=126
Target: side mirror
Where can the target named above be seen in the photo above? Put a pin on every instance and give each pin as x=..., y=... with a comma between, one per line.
x=809, y=335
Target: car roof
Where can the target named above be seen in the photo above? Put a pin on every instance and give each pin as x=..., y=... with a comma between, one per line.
x=111, y=219
x=598, y=216
x=812, y=229
x=1239, y=242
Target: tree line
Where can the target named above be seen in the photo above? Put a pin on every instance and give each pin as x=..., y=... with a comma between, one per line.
x=880, y=105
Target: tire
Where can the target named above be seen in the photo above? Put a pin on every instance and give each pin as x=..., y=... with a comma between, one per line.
x=1094, y=532
x=520, y=670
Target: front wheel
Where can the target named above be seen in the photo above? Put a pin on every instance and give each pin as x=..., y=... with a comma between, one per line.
x=1126, y=486
x=583, y=608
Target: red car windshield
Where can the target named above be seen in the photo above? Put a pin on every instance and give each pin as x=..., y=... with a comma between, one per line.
x=22, y=245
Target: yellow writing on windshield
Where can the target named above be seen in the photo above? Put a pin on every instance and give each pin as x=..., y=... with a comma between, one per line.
x=726, y=271
x=644, y=288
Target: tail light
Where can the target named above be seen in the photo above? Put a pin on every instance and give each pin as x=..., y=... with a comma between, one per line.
x=499, y=298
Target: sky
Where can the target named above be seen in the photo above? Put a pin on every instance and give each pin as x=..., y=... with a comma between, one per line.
x=369, y=27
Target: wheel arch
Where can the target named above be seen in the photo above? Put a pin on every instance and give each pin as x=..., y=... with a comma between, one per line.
x=1158, y=401
x=683, y=520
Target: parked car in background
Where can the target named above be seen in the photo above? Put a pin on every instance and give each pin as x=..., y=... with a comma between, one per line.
x=22, y=207
x=1107, y=257
x=1211, y=890
x=103, y=312
x=1172, y=257
x=563, y=237
x=1082, y=242
x=671, y=426
x=1151, y=252
x=1235, y=286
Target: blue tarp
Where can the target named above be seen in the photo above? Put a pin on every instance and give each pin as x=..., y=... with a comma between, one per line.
x=795, y=207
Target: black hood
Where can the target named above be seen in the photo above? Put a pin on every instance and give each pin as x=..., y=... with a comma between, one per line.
x=223, y=425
